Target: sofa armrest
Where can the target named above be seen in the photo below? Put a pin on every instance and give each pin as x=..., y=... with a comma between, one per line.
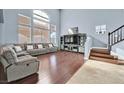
x=22, y=53
x=21, y=70
x=26, y=60
x=4, y=62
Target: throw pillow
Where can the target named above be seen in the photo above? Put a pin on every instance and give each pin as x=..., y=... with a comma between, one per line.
x=50, y=45
x=40, y=46
x=18, y=48
x=29, y=47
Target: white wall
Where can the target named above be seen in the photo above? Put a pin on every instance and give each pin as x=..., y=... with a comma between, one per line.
x=9, y=32
x=118, y=45
x=86, y=20
x=10, y=25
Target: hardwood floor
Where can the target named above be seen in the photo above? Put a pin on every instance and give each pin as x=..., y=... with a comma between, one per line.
x=55, y=68
x=59, y=67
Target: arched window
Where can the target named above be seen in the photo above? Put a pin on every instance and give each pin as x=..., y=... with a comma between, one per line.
x=40, y=13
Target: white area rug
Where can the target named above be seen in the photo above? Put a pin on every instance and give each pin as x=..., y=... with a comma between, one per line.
x=96, y=72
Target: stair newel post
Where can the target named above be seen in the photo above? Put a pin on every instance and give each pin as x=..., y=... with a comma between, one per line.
x=109, y=45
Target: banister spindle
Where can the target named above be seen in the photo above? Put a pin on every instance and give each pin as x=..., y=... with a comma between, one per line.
x=121, y=34
x=109, y=41
x=118, y=36
x=112, y=39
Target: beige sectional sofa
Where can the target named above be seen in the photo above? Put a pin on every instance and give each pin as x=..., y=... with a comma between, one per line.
x=15, y=67
x=17, y=61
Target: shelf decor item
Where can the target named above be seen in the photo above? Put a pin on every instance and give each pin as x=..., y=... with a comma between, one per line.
x=73, y=30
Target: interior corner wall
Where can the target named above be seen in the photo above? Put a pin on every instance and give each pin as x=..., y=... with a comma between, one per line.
x=10, y=25
x=87, y=19
x=9, y=33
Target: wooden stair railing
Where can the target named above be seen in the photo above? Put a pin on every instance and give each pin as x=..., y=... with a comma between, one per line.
x=115, y=37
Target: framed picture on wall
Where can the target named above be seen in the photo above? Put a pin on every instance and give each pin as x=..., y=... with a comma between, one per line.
x=101, y=29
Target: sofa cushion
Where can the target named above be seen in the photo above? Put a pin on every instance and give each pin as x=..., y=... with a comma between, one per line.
x=22, y=53
x=37, y=51
x=10, y=55
x=52, y=49
x=40, y=46
x=26, y=59
x=29, y=47
x=50, y=45
x=17, y=48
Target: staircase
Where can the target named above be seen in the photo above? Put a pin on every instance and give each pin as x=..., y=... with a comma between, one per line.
x=104, y=55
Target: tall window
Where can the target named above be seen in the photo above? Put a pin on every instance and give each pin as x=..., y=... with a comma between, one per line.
x=41, y=27
x=36, y=29
x=53, y=35
x=24, y=29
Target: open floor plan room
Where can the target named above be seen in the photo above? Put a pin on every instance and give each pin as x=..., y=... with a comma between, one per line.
x=61, y=46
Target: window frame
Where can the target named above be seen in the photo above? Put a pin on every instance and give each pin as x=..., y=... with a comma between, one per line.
x=24, y=25
x=53, y=29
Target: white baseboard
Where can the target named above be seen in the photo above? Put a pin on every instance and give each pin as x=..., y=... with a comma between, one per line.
x=100, y=47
